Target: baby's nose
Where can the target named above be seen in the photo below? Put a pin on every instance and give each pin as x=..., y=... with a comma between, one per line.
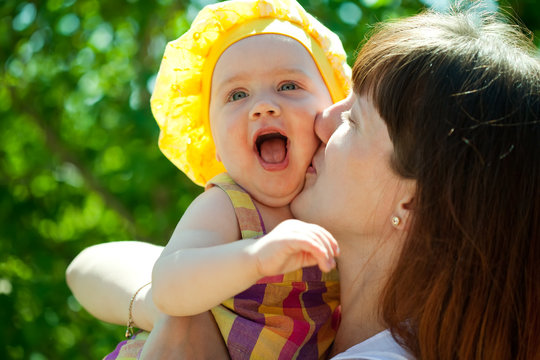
x=264, y=107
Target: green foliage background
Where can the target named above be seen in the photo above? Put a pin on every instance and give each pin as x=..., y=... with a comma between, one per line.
x=79, y=162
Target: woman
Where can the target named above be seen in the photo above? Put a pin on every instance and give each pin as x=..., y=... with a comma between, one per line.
x=456, y=275
x=429, y=178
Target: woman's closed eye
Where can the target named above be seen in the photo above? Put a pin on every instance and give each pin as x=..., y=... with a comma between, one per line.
x=236, y=95
x=348, y=119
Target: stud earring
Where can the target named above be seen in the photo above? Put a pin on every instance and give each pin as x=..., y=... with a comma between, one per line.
x=396, y=221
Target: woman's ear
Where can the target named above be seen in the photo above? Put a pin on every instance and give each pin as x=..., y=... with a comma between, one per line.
x=401, y=219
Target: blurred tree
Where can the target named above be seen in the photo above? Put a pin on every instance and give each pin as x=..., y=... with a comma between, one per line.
x=79, y=162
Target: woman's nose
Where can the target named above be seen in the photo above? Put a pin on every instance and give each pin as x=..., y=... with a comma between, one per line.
x=328, y=121
x=264, y=107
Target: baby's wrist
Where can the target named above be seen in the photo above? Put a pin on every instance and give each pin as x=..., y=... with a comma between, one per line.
x=253, y=259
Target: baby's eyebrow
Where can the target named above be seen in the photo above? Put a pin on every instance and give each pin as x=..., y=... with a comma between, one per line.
x=243, y=76
x=224, y=84
x=234, y=78
x=291, y=71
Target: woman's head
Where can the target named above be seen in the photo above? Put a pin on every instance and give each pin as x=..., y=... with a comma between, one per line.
x=460, y=95
x=351, y=188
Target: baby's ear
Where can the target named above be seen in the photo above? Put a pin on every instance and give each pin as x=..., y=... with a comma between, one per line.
x=218, y=158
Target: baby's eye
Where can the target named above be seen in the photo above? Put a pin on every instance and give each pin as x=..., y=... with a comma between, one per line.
x=237, y=95
x=288, y=86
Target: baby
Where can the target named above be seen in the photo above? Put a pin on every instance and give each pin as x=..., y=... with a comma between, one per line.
x=236, y=98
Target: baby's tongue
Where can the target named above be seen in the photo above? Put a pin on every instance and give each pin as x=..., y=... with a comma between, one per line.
x=273, y=151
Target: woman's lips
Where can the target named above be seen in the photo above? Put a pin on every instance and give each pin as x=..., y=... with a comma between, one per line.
x=312, y=168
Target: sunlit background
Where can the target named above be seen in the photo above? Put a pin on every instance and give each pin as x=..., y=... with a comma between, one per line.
x=79, y=162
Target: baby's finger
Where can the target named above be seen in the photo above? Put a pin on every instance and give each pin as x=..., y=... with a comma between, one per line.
x=328, y=240
x=325, y=258
x=314, y=247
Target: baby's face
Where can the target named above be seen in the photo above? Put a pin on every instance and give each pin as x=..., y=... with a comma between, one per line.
x=266, y=92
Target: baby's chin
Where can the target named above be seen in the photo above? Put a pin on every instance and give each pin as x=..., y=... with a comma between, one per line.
x=277, y=199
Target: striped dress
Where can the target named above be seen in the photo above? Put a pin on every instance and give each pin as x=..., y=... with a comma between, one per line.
x=290, y=316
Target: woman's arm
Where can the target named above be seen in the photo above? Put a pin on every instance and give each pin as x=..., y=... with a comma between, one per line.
x=104, y=277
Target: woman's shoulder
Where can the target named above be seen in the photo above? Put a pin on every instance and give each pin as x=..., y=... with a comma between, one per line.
x=381, y=346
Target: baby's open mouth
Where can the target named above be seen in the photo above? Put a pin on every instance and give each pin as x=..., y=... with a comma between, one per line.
x=272, y=147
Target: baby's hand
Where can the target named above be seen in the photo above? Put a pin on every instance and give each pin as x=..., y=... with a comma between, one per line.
x=294, y=244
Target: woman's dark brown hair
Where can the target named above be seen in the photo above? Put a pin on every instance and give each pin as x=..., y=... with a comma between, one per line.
x=460, y=94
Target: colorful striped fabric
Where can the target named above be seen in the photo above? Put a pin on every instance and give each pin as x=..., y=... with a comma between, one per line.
x=290, y=316
x=129, y=349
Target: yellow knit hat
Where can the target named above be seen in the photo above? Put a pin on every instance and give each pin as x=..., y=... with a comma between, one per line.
x=180, y=101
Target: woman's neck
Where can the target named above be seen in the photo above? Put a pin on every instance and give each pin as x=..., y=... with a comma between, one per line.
x=363, y=274
x=272, y=216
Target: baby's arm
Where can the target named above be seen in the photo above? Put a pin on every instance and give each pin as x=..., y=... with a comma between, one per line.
x=203, y=264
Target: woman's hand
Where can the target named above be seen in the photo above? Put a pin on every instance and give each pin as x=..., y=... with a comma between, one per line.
x=179, y=338
x=294, y=244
